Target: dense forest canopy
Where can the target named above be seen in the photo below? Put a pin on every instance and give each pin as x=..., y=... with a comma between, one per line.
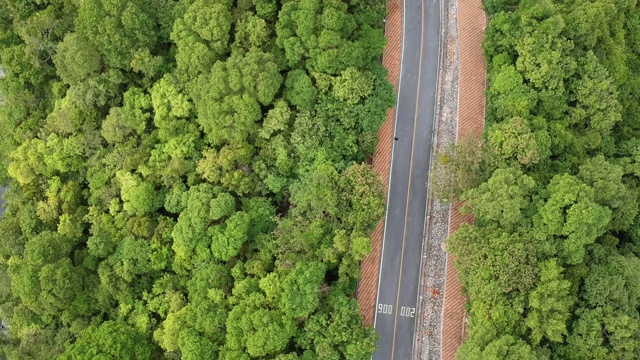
x=188, y=179
x=552, y=264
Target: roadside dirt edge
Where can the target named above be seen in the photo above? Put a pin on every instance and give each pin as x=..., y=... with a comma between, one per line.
x=471, y=106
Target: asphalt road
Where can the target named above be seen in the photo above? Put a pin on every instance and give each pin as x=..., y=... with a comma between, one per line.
x=396, y=308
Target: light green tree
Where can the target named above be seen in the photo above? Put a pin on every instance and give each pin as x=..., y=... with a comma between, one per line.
x=549, y=304
x=110, y=340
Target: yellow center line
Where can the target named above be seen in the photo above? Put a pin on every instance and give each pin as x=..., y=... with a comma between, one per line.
x=406, y=212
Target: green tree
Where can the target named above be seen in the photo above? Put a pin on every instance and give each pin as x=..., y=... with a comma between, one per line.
x=459, y=169
x=76, y=59
x=191, y=243
x=172, y=167
x=327, y=36
x=506, y=347
x=502, y=198
x=337, y=332
x=138, y=195
x=253, y=32
x=549, y=304
x=256, y=330
x=543, y=54
x=586, y=339
x=227, y=239
x=229, y=167
x=513, y=142
x=509, y=96
x=610, y=190
x=111, y=339
x=352, y=86
x=117, y=28
x=300, y=290
x=277, y=119
x=571, y=216
x=131, y=118
x=202, y=37
x=194, y=346
x=300, y=90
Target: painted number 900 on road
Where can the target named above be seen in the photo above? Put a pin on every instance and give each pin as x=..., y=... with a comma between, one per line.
x=385, y=308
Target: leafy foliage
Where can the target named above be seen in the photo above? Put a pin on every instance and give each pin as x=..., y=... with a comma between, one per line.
x=550, y=265
x=187, y=179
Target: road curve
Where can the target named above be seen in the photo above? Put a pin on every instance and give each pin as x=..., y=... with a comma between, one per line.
x=398, y=281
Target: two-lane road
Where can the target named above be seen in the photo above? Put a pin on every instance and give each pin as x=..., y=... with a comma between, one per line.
x=396, y=307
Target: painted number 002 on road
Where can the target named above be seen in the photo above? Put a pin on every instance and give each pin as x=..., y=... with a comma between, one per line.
x=408, y=311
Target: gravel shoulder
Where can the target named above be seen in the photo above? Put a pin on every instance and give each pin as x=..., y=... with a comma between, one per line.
x=430, y=305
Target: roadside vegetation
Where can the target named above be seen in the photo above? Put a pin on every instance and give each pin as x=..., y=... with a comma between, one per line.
x=552, y=264
x=188, y=179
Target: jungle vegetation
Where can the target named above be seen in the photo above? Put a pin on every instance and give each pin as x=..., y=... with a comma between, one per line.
x=551, y=266
x=188, y=179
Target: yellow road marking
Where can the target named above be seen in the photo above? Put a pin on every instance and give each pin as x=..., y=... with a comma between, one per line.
x=406, y=212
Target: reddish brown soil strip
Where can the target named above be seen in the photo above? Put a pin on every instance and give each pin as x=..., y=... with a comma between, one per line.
x=471, y=103
x=368, y=287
